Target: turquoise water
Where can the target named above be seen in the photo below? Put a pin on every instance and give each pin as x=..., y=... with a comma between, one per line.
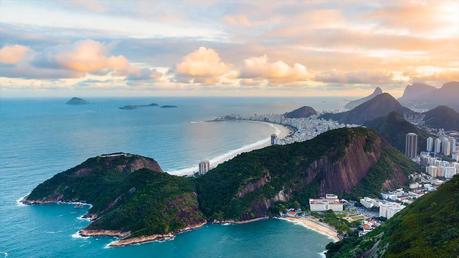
x=41, y=137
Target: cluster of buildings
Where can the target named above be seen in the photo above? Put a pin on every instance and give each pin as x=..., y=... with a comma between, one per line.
x=304, y=128
x=329, y=202
x=444, y=145
x=438, y=168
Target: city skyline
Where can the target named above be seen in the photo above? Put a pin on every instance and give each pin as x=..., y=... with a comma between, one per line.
x=215, y=48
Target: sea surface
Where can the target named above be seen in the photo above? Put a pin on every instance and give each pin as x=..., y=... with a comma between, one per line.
x=40, y=137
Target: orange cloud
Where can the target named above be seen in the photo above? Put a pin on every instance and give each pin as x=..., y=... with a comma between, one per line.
x=275, y=72
x=89, y=56
x=237, y=20
x=13, y=54
x=203, y=65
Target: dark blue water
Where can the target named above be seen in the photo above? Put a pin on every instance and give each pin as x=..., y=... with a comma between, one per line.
x=41, y=137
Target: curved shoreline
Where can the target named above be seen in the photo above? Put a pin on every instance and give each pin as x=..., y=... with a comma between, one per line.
x=315, y=226
x=281, y=130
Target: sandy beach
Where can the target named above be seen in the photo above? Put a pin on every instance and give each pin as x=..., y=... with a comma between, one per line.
x=280, y=130
x=314, y=224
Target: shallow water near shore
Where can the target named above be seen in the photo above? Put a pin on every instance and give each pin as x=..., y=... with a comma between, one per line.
x=41, y=137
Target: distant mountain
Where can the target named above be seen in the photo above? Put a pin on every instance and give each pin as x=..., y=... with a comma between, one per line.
x=357, y=102
x=131, y=107
x=442, y=117
x=423, y=96
x=394, y=128
x=351, y=162
x=379, y=106
x=76, y=101
x=429, y=227
x=302, y=112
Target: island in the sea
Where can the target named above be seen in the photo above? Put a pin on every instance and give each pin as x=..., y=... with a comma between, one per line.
x=169, y=106
x=134, y=200
x=76, y=101
x=131, y=107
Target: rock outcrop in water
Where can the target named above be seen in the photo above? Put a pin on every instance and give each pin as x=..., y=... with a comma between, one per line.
x=76, y=101
x=131, y=197
x=131, y=107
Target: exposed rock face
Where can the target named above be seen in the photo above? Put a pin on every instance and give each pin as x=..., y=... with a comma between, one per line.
x=355, y=103
x=378, y=106
x=302, y=112
x=335, y=162
x=423, y=96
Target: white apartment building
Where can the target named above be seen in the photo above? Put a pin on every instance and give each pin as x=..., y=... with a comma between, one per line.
x=389, y=209
x=330, y=202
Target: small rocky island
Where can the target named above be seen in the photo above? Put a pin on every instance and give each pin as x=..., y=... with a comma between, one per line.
x=131, y=107
x=77, y=101
x=169, y=106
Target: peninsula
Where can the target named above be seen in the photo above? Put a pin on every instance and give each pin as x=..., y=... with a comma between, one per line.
x=134, y=200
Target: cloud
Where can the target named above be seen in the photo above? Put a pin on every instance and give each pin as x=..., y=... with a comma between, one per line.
x=89, y=56
x=237, y=20
x=276, y=72
x=13, y=54
x=358, y=77
x=203, y=65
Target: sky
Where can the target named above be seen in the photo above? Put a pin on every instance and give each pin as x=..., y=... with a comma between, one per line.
x=225, y=48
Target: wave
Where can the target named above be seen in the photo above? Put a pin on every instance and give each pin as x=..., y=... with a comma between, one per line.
x=19, y=201
x=322, y=254
x=5, y=254
x=77, y=235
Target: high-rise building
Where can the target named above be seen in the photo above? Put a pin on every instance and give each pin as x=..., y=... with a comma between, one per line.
x=411, y=145
x=274, y=139
x=453, y=143
x=430, y=144
x=204, y=167
x=445, y=146
x=437, y=145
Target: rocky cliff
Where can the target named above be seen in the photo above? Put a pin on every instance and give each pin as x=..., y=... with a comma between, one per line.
x=131, y=197
x=423, y=96
x=258, y=183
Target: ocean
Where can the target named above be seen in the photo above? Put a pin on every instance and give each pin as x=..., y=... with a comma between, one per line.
x=40, y=137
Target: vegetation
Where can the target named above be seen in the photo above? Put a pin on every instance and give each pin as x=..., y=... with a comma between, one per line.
x=250, y=185
x=427, y=228
x=394, y=128
x=442, y=117
x=142, y=202
x=334, y=220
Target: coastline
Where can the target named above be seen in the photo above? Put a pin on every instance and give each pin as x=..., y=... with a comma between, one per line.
x=313, y=224
x=282, y=132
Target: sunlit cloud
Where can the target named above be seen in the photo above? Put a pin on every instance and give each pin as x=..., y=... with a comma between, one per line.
x=13, y=54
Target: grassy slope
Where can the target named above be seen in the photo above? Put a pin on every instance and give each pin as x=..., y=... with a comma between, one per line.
x=427, y=228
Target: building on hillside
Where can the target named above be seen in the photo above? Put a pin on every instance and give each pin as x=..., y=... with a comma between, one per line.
x=430, y=144
x=411, y=145
x=369, y=203
x=445, y=146
x=432, y=171
x=389, y=209
x=330, y=202
x=204, y=167
x=437, y=146
x=452, y=140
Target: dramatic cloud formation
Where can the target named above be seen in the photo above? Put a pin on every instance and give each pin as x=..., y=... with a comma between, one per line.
x=89, y=56
x=276, y=72
x=13, y=54
x=203, y=65
x=314, y=47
